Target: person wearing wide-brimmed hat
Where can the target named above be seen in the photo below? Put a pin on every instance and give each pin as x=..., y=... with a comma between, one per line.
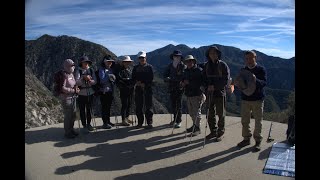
x=217, y=74
x=85, y=78
x=192, y=81
x=106, y=90
x=142, y=75
x=251, y=82
x=126, y=86
x=173, y=75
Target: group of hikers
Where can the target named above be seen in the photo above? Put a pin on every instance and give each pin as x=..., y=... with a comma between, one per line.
x=209, y=82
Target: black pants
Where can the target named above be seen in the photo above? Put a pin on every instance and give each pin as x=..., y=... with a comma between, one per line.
x=145, y=95
x=85, y=104
x=106, y=101
x=126, y=101
x=176, y=104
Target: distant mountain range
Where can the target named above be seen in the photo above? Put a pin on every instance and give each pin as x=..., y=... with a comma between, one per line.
x=45, y=55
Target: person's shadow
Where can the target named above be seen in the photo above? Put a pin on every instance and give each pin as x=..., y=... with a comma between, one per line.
x=183, y=170
x=120, y=156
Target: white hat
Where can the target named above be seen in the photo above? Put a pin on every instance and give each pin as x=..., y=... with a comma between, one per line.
x=126, y=59
x=246, y=82
x=142, y=54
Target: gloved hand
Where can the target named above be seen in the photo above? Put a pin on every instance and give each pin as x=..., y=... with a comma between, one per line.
x=112, y=77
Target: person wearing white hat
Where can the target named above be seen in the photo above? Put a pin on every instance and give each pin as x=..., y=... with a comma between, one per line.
x=126, y=86
x=142, y=75
x=192, y=81
x=107, y=79
x=251, y=81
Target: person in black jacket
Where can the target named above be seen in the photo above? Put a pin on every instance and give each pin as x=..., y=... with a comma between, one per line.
x=216, y=73
x=126, y=86
x=173, y=76
x=192, y=81
x=252, y=102
x=142, y=76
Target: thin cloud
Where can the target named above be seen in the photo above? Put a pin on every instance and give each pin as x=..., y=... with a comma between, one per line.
x=121, y=23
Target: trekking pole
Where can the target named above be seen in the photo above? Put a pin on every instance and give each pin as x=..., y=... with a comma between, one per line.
x=144, y=105
x=134, y=109
x=90, y=108
x=207, y=117
x=186, y=122
x=175, y=119
x=269, y=139
x=75, y=108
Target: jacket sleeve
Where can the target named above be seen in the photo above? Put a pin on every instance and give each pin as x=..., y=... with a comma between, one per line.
x=223, y=81
x=78, y=78
x=102, y=76
x=67, y=90
x=94, y=78
x=134, y=75
x=150, y=77
x=261, y=78
x=166, y=72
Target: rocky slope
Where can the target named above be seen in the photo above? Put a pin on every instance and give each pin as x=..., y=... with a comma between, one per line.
x=41, y=108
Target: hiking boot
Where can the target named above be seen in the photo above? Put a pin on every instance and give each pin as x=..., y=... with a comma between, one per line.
x=139, y=126
x=74, y=132
x=190, y=129
x=69, y=136
x=90, y=128
x=243, y=143
x=106, y=126
x=257, y=146
x=129, y=121
x=111, y=124
x=211, y=135
x=219, y=138
x=125, y=123
x=149, y=126
x=196, y=131
x=177, y=125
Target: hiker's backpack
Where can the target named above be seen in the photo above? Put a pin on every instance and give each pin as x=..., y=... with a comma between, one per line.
x=58, y=79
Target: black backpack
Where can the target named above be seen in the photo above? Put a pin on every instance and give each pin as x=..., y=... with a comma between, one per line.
x=58, y=79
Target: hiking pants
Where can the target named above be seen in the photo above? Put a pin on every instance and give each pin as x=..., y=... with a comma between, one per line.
x=69, y=115
x=257, y=110
x=85, y=103
x=176, y=104
x=194, y=107
x=106, y=101
x=126, y=101
x=147, y=92
x=217, y=107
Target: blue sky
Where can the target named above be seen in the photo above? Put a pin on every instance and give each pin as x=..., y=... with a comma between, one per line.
x=128, y=26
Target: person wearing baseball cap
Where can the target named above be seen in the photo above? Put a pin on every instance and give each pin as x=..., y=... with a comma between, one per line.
x=251, y=82
x=142, y=76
